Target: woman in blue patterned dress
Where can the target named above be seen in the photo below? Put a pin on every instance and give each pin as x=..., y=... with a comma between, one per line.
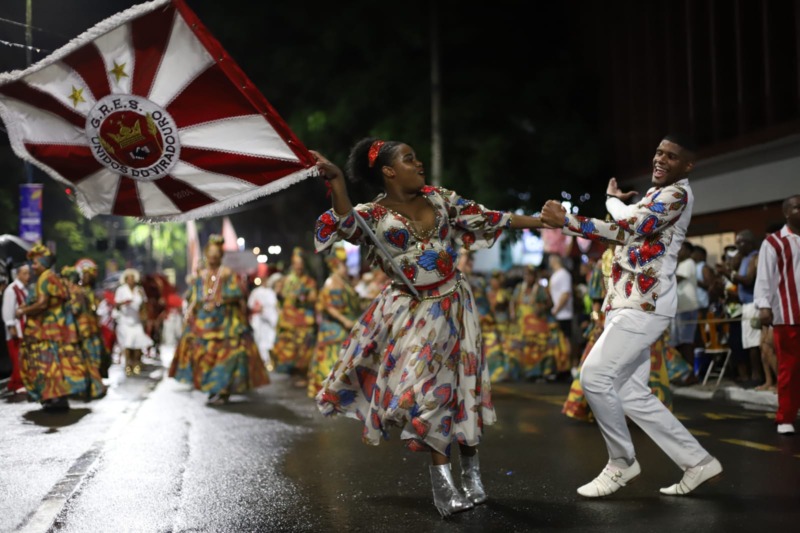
x=222, y=346
x=414, y=362
x=338, y=307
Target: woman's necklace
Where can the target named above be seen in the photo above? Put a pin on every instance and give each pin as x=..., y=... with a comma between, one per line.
x=416, y=226
x=211, y=294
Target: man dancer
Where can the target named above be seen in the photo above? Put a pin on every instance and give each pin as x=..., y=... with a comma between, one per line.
x=777, y=296
x=14, y=296
x=640, y=301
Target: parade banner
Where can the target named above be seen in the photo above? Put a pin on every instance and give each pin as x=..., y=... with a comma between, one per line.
x=30, y=212
x=146, y=115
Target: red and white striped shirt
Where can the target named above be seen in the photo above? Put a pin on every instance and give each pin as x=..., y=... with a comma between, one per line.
x=778, y=277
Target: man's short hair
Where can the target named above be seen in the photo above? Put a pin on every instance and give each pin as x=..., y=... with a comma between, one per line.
x=747, y=235
x=689, y=246
x=683, y=140
x=785, y=205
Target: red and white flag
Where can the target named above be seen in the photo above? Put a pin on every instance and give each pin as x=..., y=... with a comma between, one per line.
x=146, y=115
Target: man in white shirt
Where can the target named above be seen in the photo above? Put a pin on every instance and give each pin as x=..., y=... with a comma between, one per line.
x=14, y=296
x=641, y=298
x=560, y=287
x=777, y=297
x=685, y=322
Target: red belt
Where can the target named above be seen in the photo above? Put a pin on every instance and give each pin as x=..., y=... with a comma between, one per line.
x=432, y=286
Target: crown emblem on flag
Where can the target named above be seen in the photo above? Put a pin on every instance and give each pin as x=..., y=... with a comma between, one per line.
x=128, y=136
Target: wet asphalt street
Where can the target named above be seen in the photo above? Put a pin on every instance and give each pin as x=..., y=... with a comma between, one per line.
x=152, y=457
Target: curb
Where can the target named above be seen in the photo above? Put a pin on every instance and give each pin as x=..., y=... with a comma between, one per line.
x=746, y=398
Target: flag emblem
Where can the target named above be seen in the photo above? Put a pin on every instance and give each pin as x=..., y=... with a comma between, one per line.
x=146, y=115
x=133, y=136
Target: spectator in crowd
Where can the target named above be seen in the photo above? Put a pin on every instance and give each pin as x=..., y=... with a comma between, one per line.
x=777, y=298
x=744, y=278
x=560, y=286
x=705, y=279
x=685, y=321
x=15, y=295
x=705, y=283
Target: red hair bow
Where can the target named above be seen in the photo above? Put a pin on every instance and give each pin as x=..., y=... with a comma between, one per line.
x=373, y=152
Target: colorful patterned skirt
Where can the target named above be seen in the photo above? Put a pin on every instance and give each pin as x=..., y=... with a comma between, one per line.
x=330, y=338
x=183, y=367
x=502, y=362
x=541, y=347
x=576, y=406
x=94, y=353
x=414, y=365
x=293, y=349
x=678, y=369
x=230, y=366
x=50, y=369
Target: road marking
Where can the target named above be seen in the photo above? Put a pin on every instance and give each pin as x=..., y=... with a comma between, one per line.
x=699, y=432
x=725, y=416
x=751, y=444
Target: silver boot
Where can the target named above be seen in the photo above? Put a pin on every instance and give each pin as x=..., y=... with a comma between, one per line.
x=471, y=479
x=446, y=497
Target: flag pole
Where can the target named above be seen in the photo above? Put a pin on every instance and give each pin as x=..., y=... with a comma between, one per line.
x=28, y=59
x=388, y=256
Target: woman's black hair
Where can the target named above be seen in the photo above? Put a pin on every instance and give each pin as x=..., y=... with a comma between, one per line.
x=358, y=168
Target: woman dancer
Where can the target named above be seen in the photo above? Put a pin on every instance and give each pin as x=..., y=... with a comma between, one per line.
x=414, y=362
x=128, y=300
x=540, y=346
x=296, y=322
x=338, y=307
x=222, y=344
x=51, y=365
x=84, y=315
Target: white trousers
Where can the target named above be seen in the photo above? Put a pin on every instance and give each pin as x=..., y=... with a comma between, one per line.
x=615, y=378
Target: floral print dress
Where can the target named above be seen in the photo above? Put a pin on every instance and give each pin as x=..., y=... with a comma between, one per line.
x=222, y=357
x=331, y=333
x=294, y=344
x=415, y=364
x=83, y=306
x=540, y=346
x=51, y=361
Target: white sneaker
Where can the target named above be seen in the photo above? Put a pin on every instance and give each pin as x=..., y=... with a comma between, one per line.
x=610, y=480
x=786, y=429
x=693, y=478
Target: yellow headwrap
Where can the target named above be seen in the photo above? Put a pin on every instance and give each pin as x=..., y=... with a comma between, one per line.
x=39, y=250
x=337, y=257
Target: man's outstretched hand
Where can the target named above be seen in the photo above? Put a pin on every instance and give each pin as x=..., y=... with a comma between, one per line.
x=553, y=214
x=614, y=190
